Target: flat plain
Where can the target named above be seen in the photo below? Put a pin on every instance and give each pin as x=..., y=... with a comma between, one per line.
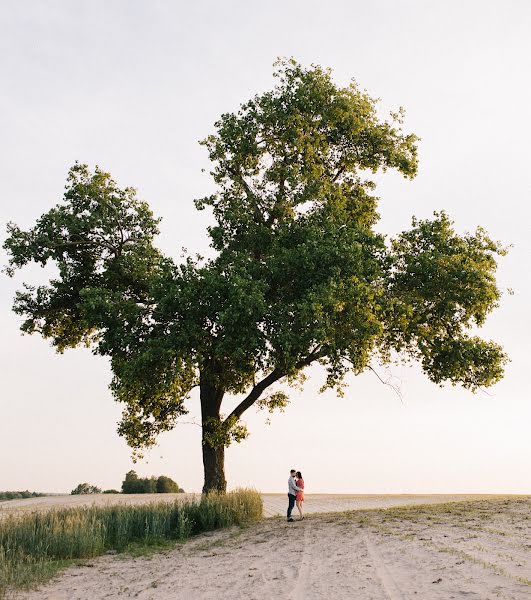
x=363, y=547
x=274, y=504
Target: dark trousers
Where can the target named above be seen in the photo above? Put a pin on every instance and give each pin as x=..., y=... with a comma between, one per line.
x=291, y=500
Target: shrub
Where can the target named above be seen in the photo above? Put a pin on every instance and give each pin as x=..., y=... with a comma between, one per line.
x=110, y=492
x=133, y=484
x=149, y=485
x=16, y=495
x=166, y=485
x=86, y=488
x=34, y=546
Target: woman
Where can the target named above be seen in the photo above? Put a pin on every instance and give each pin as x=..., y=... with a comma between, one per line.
x=300, y=495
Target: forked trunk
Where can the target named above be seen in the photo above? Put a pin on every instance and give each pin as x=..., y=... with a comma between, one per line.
x=213, y=458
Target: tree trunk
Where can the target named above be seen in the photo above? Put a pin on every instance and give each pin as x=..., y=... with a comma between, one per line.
x=213, y=458
x=214, y=466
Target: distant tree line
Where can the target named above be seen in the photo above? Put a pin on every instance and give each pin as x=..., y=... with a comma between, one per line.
x=133, y=484
x=17, y=495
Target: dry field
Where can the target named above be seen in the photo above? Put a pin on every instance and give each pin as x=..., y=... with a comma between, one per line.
x=476, y=548
x=274, y=504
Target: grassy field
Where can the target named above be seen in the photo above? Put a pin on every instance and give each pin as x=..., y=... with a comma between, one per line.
x=33, y=547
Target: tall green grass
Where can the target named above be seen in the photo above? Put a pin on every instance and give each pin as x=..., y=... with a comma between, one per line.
x=33, y=547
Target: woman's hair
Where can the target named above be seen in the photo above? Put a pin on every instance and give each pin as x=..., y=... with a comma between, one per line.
x=299, y=475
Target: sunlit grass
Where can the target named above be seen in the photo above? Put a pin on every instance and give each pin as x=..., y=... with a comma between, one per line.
x=34, y=547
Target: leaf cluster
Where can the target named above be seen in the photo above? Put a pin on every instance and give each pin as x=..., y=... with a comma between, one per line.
x=222, y=432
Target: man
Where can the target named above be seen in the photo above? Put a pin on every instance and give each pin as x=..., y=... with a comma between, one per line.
x=292, y=493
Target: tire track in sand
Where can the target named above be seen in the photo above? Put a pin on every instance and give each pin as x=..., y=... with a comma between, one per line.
x=297, y=593
x=388, y=583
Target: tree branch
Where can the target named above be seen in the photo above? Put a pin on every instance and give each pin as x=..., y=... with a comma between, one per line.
x=239, y=177
x=340, y=172
x=387, y=382
x=255, y=393
x=262, y=385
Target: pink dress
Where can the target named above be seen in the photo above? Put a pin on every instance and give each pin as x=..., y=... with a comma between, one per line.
x=300, y=495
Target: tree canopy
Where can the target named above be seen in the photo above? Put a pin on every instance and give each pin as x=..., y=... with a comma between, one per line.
x=299, y=273
x=133, y=484
x=86, y=488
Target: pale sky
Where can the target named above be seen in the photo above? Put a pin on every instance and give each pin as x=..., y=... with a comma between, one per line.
x=132, y=86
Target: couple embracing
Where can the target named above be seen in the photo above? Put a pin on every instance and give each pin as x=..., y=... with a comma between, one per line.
x=295, y=493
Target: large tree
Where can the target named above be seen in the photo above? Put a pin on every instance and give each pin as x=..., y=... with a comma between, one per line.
x=299, y=274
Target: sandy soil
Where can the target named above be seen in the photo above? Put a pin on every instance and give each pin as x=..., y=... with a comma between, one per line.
x=469, y=549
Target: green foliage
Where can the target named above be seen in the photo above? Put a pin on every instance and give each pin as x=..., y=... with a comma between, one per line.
x=442, y=284
x=18, y=495
x=299, y=273
x=33, y=546
x=166, y=485
x=100, y=239
x=133, y=484
x=86, y=488
x=221, y=432
x=110, y=492
x=272, y=402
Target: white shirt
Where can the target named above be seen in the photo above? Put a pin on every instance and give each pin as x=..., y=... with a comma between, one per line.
x=292, y=487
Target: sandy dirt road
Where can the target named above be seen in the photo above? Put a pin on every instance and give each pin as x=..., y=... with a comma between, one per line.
x=477, y=549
